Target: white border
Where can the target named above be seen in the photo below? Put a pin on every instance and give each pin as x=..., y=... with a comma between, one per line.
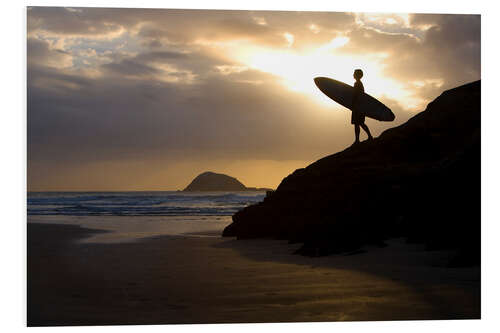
x=421, y=6
x=13, y=195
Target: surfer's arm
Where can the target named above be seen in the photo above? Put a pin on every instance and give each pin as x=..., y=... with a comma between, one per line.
x=355, y=97
x=358, y=89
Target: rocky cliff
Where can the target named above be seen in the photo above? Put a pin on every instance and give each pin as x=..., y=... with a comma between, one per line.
x=420, y=180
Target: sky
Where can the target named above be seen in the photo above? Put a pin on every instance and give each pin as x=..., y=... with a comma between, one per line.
x=146, y=99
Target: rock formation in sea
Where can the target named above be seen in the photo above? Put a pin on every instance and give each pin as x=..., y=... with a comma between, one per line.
x=211, y=181
x=420, y=180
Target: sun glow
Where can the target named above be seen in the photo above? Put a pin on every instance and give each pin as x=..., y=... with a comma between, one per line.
x=297, y=70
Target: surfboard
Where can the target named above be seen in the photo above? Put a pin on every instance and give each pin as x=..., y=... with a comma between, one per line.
x=343, y=93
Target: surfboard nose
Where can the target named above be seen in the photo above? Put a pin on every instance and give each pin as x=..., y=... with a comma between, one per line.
x=318, y=80
x=392, y=116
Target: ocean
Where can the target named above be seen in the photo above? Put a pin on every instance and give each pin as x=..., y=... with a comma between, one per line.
x=130, y=216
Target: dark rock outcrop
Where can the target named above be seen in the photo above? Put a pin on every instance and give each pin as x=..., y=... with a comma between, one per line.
x=211, y=181
x=420, y=180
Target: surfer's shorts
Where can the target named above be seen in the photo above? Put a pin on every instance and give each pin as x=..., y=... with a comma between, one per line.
x=357, y=118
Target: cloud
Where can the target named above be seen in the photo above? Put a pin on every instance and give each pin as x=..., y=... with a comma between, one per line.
x=113, y=87
x=130, y=68
x=41, y=53
x=160, y=27
x=82, y=22
x=448, y=51
x=223, y=115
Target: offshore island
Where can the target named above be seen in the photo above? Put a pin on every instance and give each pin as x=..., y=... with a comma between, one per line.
x=212, y=182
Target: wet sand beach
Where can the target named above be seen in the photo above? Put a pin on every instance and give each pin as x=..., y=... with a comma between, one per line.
x=186, y=279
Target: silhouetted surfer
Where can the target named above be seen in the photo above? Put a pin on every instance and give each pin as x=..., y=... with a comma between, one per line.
x=358, y=117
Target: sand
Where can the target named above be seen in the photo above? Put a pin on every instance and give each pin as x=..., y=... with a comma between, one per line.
x=167, y=280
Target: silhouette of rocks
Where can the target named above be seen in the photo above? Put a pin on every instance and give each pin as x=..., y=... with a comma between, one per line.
x=211, y=181
x=420, y=180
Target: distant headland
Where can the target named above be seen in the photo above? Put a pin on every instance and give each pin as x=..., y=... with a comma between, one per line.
x=211, y=181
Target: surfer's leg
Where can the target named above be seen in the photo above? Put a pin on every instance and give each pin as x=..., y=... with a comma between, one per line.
x=367, y=130
x=356, y=132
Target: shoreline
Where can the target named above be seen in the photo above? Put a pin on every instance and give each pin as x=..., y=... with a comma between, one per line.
x=189, y=280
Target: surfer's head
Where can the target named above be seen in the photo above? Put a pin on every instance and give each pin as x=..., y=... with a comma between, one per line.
x=358, y=74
